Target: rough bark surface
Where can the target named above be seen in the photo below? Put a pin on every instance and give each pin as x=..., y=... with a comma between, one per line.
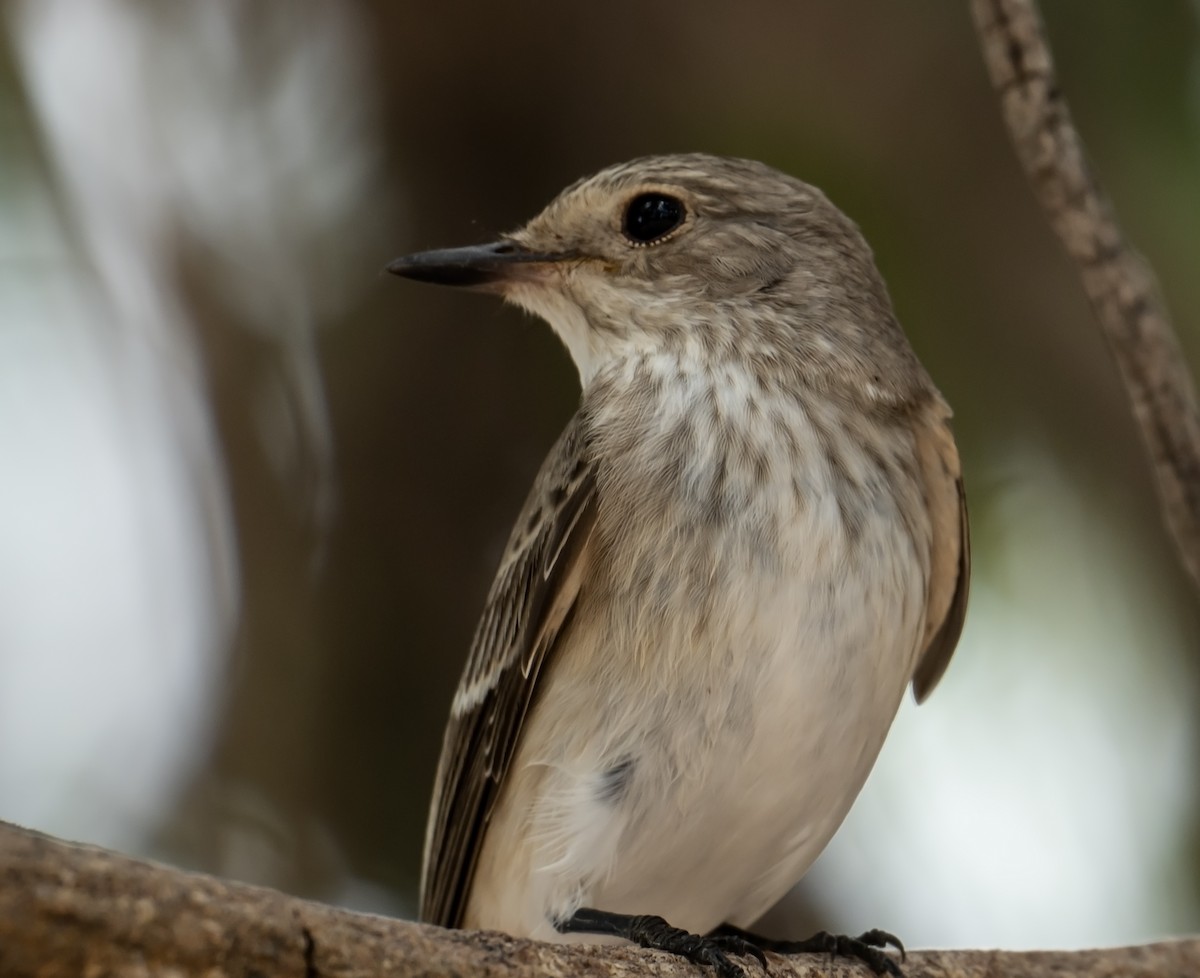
x=72, y=910
x=1119, y=284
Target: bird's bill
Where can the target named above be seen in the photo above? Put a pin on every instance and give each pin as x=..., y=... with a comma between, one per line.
x=489, y=267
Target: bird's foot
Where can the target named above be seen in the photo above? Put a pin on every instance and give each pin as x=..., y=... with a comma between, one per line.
x=654, y=932
x=870, y=948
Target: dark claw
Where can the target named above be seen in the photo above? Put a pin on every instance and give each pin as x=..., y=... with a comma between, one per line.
x=732, y=944
x=882, y=938
x=655, y=933
x=866, y=951
x=869, y=948
x=875, y=959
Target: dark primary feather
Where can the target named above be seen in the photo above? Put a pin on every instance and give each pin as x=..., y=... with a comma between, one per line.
x=950, y=570
x=530, y=601
x=941, y=647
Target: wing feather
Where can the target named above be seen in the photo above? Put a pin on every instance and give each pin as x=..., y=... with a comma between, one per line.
x=950, y=567
x=529, y=604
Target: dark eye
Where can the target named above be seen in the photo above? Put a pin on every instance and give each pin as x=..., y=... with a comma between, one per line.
x=652, y=216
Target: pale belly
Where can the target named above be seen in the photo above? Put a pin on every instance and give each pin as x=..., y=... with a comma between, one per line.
x=708, y=731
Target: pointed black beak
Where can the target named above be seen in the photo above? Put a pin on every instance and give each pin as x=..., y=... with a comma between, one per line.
x=477, y=266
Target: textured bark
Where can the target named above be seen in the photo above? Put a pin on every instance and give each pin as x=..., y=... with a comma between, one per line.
x=71, y=910
x=1118, y=282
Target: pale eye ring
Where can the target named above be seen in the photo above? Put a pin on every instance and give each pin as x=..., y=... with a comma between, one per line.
x=651, y=216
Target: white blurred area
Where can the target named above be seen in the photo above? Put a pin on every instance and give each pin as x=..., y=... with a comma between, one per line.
x=1040, y=798
x=118, y=569
x=115, y=572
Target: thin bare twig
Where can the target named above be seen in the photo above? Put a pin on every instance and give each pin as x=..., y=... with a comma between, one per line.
x=1118, y=282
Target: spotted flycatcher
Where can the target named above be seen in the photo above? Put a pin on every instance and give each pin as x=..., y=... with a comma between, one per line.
x=748, y=541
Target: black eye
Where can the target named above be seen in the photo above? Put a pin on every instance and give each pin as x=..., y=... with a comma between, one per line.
x=652, y=216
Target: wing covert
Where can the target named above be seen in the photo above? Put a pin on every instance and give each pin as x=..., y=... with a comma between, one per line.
x=950, y=566
x=530, y=601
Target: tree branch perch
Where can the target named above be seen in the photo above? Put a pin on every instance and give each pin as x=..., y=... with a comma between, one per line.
x=70, y=910
x=1119, y=284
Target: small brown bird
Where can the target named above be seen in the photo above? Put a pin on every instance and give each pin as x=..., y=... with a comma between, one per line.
x=749, y=539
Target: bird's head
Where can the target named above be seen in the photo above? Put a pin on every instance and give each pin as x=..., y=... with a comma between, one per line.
x=727, y=254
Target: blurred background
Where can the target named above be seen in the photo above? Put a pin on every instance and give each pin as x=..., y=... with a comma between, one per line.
x=252, y=491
